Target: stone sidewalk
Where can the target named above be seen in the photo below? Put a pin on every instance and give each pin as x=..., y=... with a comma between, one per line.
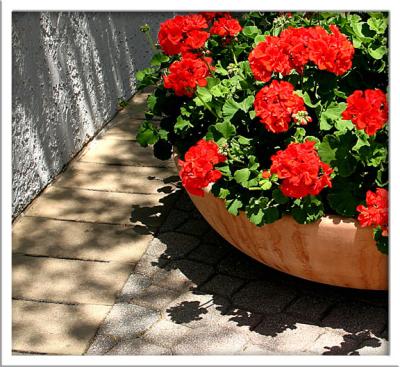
x=113, y=258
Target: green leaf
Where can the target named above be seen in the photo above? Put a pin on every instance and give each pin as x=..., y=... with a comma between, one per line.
x=271, y=215
x=342, y=200
x=226, y=128
x=377, y=23
x=147, y=134
x=251, y=31
x=230, y=108
x=382, y=242
x=182, y=124
x=306, y=99
x=307, y=210
x=279, y=197
x=325, y=150
x=242, y=176
x=332, y=115
x=259, y=38
x=158, y=59
x=247, y=103
x=377, y=52
x=234, y=205
x=151, y=102
x=266, y=184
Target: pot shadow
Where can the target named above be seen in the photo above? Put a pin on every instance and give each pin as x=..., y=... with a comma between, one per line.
x=251, y=295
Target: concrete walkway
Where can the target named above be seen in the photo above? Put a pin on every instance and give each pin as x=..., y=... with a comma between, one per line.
x=113, y=258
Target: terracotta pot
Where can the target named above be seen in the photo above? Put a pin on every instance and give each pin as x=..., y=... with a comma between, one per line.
x=333, y=250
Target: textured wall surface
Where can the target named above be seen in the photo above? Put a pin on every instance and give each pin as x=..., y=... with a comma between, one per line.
x=68, y=71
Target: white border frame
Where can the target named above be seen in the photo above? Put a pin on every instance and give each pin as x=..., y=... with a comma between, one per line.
x=195, y=5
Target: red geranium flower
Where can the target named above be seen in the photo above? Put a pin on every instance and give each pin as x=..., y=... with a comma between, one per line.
x=367, y=109
x=302, y=171
x=211, y=15
x=183, y=33
x=226, y=27
x=197, y=170
x=376, y=213
x=332, y=52
x=277, y=105
x=268, y=57
x=294, y=42
x=186, y=74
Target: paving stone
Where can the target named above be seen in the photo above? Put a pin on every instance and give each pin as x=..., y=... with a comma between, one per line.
x=185, y=203
x=69, y=281
x=174, y=219
x=328, y=339
x=154, y=297
x=214, y=339
x=222, y=285
x=123, y=127
x=148, y=266
x=354, y=317
x=210, y=254
x=94, y=176
x=254, y=349
x=178, y=274
x=102, y=344
x=87, y=241
x=263, y=296
x=172, y=279
x=166, y=333
x=195, y=227
x=127, y=321
x=239, y=265
x=374, y=347
x=246, y=320
x=137, y=105
x=214, y=239
x=198, y=310
x=122, y=152
x=172, y=245
x=98, y=206
x=135, y=284
x=309, y=307
x=137, y=346
x=285, y=335
x=55, y=328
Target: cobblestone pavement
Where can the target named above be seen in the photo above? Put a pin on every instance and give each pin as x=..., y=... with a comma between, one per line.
x=113, y=258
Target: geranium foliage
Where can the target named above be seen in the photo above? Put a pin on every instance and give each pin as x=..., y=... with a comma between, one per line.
x=276, y=113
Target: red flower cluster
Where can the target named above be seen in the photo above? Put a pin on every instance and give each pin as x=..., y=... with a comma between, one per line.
x=197, y=170
x=296, y=46
x=226, y=27
x=183, y=33
x=332, y=52
x=211, y=15
x=367, y=109
x=277, y=105
x=302, y=171
x=186, y=74
x=376, y=212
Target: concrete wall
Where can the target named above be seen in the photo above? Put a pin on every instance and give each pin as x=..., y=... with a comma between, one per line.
x=68, y=71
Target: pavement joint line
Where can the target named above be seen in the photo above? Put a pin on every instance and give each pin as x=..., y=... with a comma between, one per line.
x=60, y=302
x=35, y=353
x=89, y=222
x=123, y=165
x=74, y=258
x=111, y=191
x=292, y=301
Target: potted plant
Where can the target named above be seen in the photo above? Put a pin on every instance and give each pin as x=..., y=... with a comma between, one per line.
x=279, y=126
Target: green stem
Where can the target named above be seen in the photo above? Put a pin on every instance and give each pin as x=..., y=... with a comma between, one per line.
x=207, y=106
x=256, y=188
x=148, y=36
x=234, y=56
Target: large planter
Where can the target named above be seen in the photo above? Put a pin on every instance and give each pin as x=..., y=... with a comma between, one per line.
x=334, y=250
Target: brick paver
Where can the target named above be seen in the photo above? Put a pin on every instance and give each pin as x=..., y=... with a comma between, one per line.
x=163, y=280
